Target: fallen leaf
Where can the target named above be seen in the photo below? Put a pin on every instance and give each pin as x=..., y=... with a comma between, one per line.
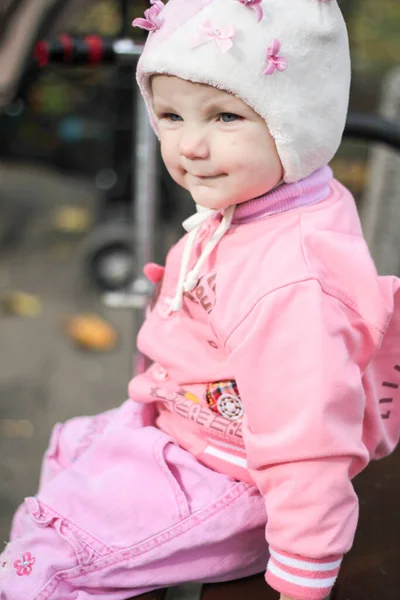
x=14, y=428
x=91, y=332
x=72, y=219
x=21, y=304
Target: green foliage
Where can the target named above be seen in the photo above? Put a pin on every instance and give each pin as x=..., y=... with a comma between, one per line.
x=102, y=17
x=374, y=27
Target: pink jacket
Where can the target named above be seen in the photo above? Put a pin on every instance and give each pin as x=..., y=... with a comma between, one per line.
x=277, y=369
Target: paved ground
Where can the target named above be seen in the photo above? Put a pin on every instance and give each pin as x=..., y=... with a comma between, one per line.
x=43, y=378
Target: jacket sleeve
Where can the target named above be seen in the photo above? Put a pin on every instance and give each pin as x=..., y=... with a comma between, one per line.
x=297, y=358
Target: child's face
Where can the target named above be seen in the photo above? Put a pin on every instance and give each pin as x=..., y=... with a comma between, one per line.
x=213, y=144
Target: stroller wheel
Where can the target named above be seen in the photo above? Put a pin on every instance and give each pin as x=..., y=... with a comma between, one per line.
x=109, y=261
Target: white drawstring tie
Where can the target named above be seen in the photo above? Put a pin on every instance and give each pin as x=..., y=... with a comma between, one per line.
x=188, y=280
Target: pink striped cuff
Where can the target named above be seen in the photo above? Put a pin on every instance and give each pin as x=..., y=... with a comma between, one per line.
x=302, y=578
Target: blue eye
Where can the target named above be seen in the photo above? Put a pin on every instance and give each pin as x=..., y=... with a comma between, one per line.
x=172, y=117
x=229, y=117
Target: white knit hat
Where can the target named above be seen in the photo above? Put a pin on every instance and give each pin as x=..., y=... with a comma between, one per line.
x=287, y=59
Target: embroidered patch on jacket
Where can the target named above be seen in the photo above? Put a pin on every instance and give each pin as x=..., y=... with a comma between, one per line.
x=204, y=293
x=223, y=398
x=386, y=401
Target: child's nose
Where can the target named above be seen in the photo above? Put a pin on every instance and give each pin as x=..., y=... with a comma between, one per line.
x=194, y=144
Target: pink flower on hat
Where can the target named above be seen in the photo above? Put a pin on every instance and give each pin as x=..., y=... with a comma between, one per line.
x=223, y=36
x=275, y=62
x=256, y=6
x=152, y=20
x=24, y=566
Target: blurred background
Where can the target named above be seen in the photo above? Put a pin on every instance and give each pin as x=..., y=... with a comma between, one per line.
x=66, y=212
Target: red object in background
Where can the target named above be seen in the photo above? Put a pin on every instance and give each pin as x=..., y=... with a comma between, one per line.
x=68, y=46
x=96, y=48
x=89, y=50
x=42, y=53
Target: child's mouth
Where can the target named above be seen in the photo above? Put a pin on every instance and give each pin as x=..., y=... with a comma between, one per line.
x=209, y=176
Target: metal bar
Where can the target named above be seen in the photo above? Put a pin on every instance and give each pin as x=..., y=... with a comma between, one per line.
x=144, y=201
x=373, y=129
x=144, y=191
x=124, y=18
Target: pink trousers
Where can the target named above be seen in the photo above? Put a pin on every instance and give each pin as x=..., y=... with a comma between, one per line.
x=121, y=510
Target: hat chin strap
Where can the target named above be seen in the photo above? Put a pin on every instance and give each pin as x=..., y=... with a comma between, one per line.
x=188, y=279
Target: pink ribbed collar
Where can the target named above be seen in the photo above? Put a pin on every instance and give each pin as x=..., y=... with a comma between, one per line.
x=286, y=197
